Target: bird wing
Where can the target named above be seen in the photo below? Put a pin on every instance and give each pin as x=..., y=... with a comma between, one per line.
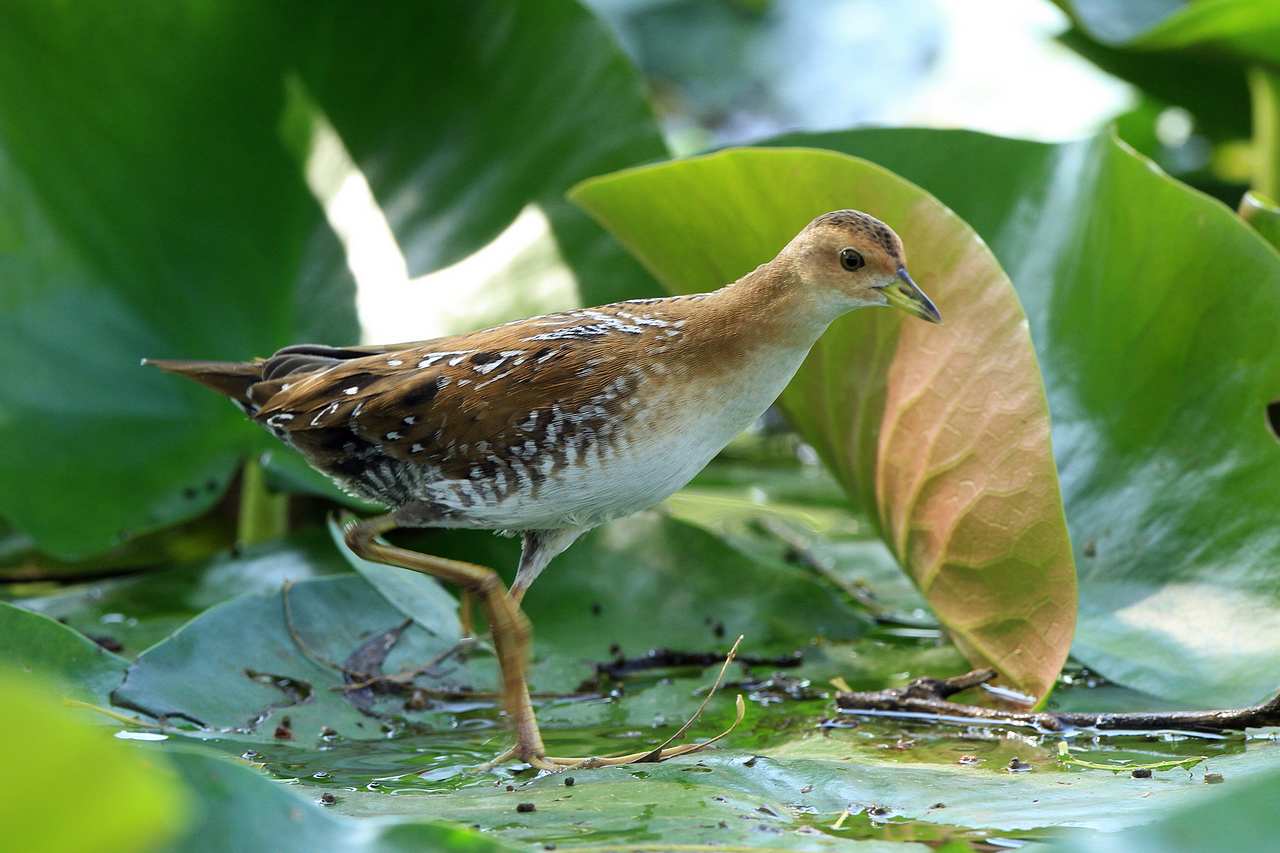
x=517, y=391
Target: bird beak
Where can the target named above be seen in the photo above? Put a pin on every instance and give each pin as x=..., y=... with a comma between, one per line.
x=903, y=293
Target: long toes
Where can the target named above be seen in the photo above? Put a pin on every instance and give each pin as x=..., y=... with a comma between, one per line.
x=542, y=762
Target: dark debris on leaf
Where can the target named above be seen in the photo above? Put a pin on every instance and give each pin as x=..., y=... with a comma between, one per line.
x=111, y=644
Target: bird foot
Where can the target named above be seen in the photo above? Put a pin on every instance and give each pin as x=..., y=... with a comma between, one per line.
x=531, y=752
x=557, y=764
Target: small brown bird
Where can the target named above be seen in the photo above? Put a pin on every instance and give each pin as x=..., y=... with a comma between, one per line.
x=556, y=424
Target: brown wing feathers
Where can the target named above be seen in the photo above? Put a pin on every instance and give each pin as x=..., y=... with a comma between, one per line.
x=498, y=398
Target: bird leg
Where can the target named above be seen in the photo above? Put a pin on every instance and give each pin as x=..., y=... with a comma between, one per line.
x=508, y=625
x=464, y=615
x=511, y=636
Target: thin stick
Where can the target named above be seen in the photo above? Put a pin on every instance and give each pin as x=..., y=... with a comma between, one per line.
x=665, y=750
x=728, y=659
x=926, y=698
x=314, y=657
x=123, y=718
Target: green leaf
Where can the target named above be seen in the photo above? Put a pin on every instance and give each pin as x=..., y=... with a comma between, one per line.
x=58, y=767
x=140, y=611
x=1197, y=55
x=1263, y=214
x=1159, y=370
x=241, y=809
x=54, y=653
x=239, y=670
x=941, y=432
x=184, y=229
x=188, y=230
x=796, y=787
x=1241, y=818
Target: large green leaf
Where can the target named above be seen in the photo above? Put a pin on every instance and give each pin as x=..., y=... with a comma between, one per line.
x=459, y=117
x=1153, y=310
x=56, y=766
x=941, y=432
x=139, y=611
x=35, y=644
x=154, y=204
x=148, y=209
x=1196, y=54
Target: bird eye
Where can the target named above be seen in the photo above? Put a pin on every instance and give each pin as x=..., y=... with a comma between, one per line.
x=851, y=259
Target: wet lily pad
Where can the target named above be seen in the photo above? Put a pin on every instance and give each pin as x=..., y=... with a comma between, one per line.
x=137, y=612
x=38, y=646
x=241, y=809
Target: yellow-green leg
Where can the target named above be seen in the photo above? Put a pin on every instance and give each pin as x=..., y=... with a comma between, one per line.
x=511, y=635
x=508, y=625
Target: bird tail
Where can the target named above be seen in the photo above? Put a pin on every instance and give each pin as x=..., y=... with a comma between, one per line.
x=232, y=378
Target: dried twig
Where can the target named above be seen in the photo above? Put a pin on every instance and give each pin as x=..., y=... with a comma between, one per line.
x=928, y=697
x=656, y=753
x=310, y=655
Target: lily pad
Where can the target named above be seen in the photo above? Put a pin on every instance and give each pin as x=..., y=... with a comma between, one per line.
x=238, y=668
x=898, y=782
x=1241, y=818
x=940, y=433
x=139, y=611
x=241, y=809
x=52, y=653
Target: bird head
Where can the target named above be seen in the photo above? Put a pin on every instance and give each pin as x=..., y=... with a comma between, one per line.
x=854, y=259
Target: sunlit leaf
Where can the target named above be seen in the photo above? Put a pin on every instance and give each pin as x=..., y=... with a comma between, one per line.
x=57, y=765
x=1153, y=311
x=942, y=432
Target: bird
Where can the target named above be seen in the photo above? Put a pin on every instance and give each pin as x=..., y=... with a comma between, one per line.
x=550, y=426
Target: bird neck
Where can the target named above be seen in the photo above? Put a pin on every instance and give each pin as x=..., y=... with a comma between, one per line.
x=772, y=305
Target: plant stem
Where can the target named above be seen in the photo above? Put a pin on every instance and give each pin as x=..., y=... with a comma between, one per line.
x=1264, y=89
x=264, y=515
